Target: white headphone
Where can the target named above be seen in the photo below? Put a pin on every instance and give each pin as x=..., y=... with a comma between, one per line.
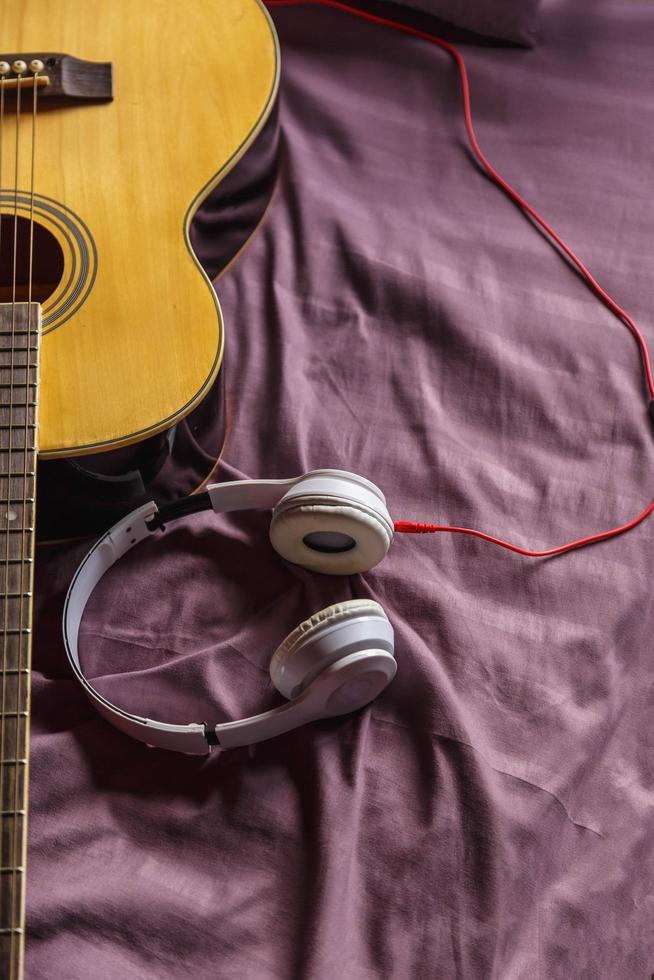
x=337, y=661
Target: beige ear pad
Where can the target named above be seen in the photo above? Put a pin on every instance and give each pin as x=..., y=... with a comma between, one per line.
x=366, y=534
x=302, y=655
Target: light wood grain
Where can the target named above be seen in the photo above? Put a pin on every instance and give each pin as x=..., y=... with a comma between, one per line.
x=193, y=84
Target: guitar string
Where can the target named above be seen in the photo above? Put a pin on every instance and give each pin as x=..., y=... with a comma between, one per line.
x=5, y=638
x=19, y=894
x=4, y=762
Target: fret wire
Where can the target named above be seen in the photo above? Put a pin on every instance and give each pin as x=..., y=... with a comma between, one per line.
x=30, y=425
x=17, y=631
x=15, y=369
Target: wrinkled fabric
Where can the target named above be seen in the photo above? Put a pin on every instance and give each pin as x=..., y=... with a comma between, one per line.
x=512, y=20
x=489, y=817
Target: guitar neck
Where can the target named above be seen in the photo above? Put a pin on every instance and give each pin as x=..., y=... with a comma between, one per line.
x=19, y=353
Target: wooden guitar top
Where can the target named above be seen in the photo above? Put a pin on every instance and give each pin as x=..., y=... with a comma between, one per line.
x=133, y=334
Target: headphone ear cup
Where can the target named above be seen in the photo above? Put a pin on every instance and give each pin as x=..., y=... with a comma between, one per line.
x=329, y=635
x=332, y=536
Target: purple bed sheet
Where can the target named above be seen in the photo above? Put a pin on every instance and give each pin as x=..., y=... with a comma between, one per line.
x=490, y=816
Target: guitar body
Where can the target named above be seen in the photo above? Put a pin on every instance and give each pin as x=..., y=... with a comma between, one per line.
x=132, y=333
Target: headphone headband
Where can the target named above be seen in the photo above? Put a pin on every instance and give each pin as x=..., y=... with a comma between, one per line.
x=372, y=642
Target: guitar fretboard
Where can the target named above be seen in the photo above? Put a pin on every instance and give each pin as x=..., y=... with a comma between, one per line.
x=19, y=351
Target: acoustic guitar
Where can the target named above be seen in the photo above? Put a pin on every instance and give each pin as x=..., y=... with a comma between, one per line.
x=117, y=120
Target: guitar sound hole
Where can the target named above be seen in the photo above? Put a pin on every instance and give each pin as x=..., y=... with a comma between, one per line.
x=47, y=261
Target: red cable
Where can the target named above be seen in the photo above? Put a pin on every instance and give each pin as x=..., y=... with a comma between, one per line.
x=418, y=528
x=413, y=527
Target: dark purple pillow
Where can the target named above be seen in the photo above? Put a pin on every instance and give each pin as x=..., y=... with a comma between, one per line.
x=510, y=20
